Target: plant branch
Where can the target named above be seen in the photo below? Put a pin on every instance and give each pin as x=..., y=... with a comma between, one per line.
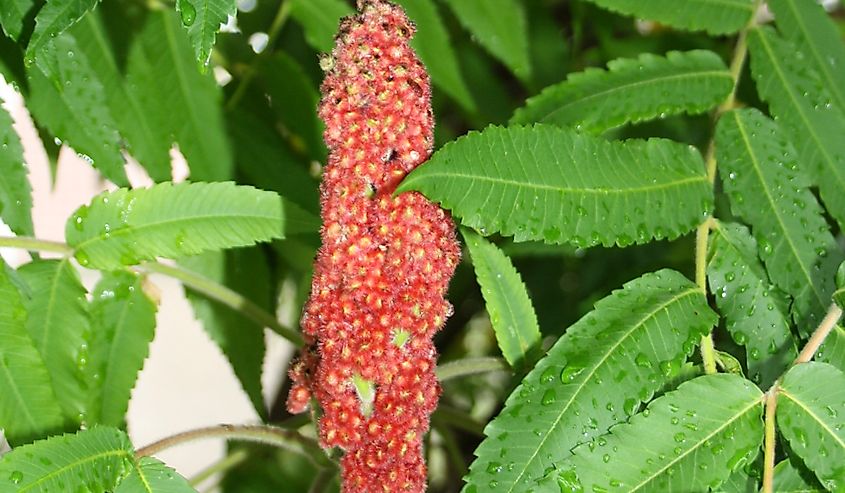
x=769, y=440
x=470, y=366
x=834, y=313
x=269, y=435
x=222, y=294
x=231, y=460
x=35, y=245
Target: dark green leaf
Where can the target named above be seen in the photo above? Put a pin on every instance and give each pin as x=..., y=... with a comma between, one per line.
x=556, y=185
x=596, y=375
x=688, y=440
x=811, y=415
x=12, y=13
x=202, y=19
x=15, y=193
x=713, y=16
x=126, y=226
x=632, y=90
x=53, y=18
x=833, y=349
x=755, y=312
x=792, y=478
x=123, y=318
x=151, y=476
x=506, y=297
x=761, y=176
x=320, y=19
x=28, y=408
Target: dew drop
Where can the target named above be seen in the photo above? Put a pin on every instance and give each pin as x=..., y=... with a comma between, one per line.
x=187, y=11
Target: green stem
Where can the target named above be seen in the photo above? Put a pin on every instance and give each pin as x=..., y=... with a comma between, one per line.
x=35, y=245
x=232, y=460
x=269, y=435
x=323, y=480
x=769, y=440
x=470, y=366
x=224, y=295
x=834, y=313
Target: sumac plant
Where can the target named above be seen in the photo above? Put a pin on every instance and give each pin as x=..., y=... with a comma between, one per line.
x=537, y=246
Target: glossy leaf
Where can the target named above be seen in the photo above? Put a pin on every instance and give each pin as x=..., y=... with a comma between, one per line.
x=833, y=349
x=557, y=185
x=181, y=102
x=802, y=104
x=595, y=376
x=755, y=312
x=320, y=19
x=506, y=297
x=713, y=16
x=12, y=13
x=15, y=192
x=68, y=99
x=202, y=19
x=766, y=188
x=789, y=478
x=501, y=28
x=53, y=18
x=152, y=476
x=126, y=226
x=91, y=460
x=811, y=415
x=632, y=90
x=59, y=326
x=123, y=319
x=28, y=409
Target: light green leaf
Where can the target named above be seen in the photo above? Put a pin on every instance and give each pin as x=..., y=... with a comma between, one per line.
x=688, y=440
x=148, y=143
x=320, y=20
x=789, y=478
x=68, y=98
x=739, y=482
x=767, y=189
x=91, y=460
x=501, y=28
x=632, y=90
x=151, y=476
x=808, y=27
x=246, y=271
x=506, y=297
x=556, y=185
x=803, y=107
x=52, y=20
x=202, y=19
x=15, y=192
x=12, y=13
x=713, y=16
x=833, y=349
x=59, y=326
x=124, y=227
x=755, y=312
x=123, y=318
x=811, y=415
x=596, y=375
x=163, y=75
x=432, y=44
x=28, y=409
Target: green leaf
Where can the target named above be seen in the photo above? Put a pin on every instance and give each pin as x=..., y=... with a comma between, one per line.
x=506, y=297
x=688, y=440
x=320, y=20
x=52, y=20
x=790, y=478
x=148, y=143
x=12, y=13
x=123, y=318
x=28, y=409
x=803, y=107
x=434, y=47
x=557, y=185
x=632, y=90
x=833, y=349
x=755, y=312
x=596, y=375
x=162, y=74
x=811, y=415
x=152, y=476
x=202, y=19
x=124, y=227
x=713, y=16
x=68, y=98
x=808, y=27
x=739, y=482
x=59, y=326
x=501, y=28
x=246, y=271
x=91, y=460
x=766, y=188
x=15, y=192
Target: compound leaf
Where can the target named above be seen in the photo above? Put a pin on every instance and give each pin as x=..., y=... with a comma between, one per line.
x=632, y=90
x=124, y=227
x=15, y=192
x=596, y=375
x=202, y=19
x=152, y=476
x=713, y=16
x=53, y=18
x=559, y=186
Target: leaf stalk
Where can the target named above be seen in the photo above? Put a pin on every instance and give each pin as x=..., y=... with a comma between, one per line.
x=769, y=439
x=35, y=245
